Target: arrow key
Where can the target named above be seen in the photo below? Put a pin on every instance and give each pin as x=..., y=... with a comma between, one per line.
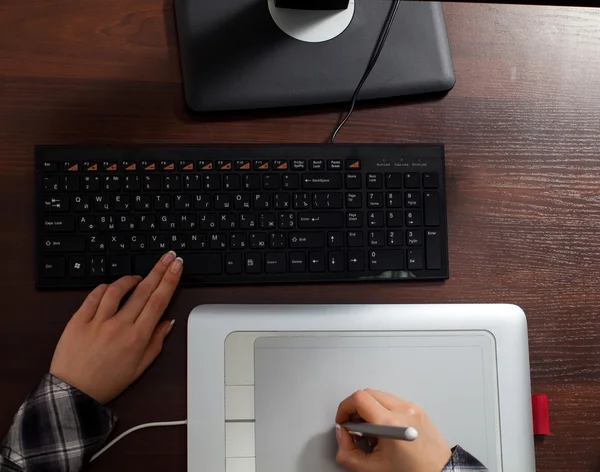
x=336, y=261
x=316, y=261
x=355, y=261
x=335, y=239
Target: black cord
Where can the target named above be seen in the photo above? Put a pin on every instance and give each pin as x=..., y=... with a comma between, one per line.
x=377, y=51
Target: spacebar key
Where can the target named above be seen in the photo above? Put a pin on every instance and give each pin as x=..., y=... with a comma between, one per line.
x=193, y=264
x=202, y=264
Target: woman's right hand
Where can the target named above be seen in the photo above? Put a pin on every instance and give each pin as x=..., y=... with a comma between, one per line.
x=428, y=453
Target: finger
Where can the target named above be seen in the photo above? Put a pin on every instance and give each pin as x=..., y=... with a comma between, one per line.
x=159, y=300
x=348, y=455
x=369, y=409
x=90, y=305
x=389, y=401
x=155, y=345
x=137, y=301
x=114, y=295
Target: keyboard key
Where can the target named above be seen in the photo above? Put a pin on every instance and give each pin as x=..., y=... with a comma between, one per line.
x=322, y=181
x=335, y=261
x=242, y=165
x=54, y=267
x=281, y=201
x=355, y=238
x=130, y=166
x=353, y=182
x=110, y=166
x=204, y=165
x=431, y=201
x=242, y=201
x=64, y=244
x=334, y=219
x=50, y=166
x=280, y=165
x=232, y=182
x=353, y=200
x=335, y=239
x=328, y=201
x=394, y=219
x=62, y=224
x=253, y=263
x=375, y=219
x=376, y=238
x=177, y=243
x=395, y=238
x=233, y=264
x=355, y=261
x=301, y=201
x=97, y=243
x=374, y=181
x=118, y=266
x=51, y=184
x=238, y=241
x=412, y=180
x=118, y=243
x=224, y=165
x=203, y=264
x=267, y=221
x=275, y=263
x=218, y=241
x=97, y=266
x=386, y=259
x=251, y=182
x=56, y=204
x=297, y=262
x=291, y=181
x=271, y=182
x=147, y=223
x=298, y=165
x=433, y=247
x=258, y=240
x=186, y=166
x=307, y=240
x=77, y=266
x=262, y=201
x=287, y=220
x=317, y=164
x=223, y=201
x=412, y=199
x=171, y=182
x=277, y=240
x=138, y=242
x=71, y=166
x=91, y=183
x=431, y=180
x=81, y=203
x=414, y=218
x=197, y=242
x=394, y=200
x=354, y=219
x=414, y=259
x=414, y=237
x=211, y=182
x=352, y=164
x=393, y=180
x=152, y=183
x=131, y=183
x=335, y=164
x=261, y=165
x=316, y=262
x=375, y=200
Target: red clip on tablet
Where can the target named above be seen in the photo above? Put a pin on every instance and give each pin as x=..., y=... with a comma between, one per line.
x=541, y=418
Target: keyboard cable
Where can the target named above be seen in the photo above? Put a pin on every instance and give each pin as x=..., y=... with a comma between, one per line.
x=136, y=428
x=376, y=53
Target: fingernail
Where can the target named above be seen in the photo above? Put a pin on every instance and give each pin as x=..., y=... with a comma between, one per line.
x=169, y=328
x=138, y=277
x=338, y=433
x=168, y=258
x=177, y=265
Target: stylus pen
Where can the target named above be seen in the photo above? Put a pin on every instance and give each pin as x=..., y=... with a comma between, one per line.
x=381, y=431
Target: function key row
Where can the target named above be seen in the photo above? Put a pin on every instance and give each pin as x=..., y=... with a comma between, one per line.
x=202, y=165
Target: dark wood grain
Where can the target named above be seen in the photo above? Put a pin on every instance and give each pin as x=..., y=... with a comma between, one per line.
x=523, y=163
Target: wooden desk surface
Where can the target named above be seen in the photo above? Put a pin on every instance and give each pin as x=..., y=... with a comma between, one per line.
x=523, y=163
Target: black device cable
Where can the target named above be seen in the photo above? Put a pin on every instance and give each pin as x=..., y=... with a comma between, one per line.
x=376, y=53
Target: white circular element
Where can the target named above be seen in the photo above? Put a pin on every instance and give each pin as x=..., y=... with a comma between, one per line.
x=312, y=26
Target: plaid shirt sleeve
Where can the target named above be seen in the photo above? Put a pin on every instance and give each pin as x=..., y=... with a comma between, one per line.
x=462, y=461
x=57, y=428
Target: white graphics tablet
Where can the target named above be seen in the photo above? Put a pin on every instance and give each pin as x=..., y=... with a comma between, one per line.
x=467, y=365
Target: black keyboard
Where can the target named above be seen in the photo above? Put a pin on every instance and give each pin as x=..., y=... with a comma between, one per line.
x=241, y=214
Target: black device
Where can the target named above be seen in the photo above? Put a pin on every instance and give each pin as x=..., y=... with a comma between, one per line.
x=246, y=54
x=313, y=4
x=241, y=214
